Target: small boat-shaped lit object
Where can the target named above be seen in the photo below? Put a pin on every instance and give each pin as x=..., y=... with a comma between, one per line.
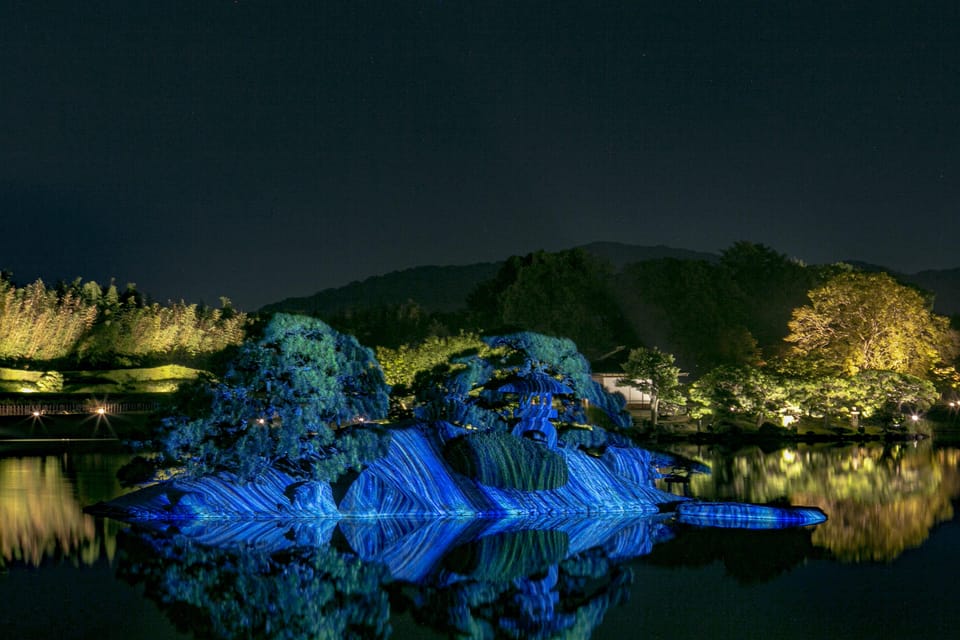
x=735, y=515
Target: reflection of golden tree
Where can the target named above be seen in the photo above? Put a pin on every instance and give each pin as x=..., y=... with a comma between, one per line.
x=880, y=501
x=858, y=532
x=40, y=516
x=864, y=531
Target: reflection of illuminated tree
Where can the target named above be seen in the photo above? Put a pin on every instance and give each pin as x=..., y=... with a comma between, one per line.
x=565, y=600
x=860, y=532
x=305, y=592
x=286, y=581
x=41, y=517
x=880, y=501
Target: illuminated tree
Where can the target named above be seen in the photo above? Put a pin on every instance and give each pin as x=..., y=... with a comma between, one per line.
x=892, y=391
x=279, y=403
x=748, y=391
x=401, y=366
x=38, y=323
x=135, y=335
x=458, y=392
x=859, y=321
x=84, y=323
x=654, y=372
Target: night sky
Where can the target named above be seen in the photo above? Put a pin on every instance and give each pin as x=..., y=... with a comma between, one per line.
x=260, y=150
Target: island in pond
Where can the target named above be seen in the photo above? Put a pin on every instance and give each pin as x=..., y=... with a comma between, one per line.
x=509, y=431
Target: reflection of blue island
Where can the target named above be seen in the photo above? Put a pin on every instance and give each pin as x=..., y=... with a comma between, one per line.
x=507, y=577
x=514, y=577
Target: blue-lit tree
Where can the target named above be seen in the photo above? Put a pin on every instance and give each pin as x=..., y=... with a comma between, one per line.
x=463, y=391
x=279, y=405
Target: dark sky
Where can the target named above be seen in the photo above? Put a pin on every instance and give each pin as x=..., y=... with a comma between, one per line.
x=260, y=150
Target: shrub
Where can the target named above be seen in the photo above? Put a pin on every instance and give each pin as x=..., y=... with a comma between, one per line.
x=502, y=460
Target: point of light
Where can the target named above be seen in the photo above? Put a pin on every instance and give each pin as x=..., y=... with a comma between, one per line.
x=915, y=417
x=261, y=421
x=101, y=411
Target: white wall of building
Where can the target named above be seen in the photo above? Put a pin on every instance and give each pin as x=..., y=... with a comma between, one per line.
x=634, y=396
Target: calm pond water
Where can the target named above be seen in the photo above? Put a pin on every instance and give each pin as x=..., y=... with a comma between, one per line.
x=885, y=565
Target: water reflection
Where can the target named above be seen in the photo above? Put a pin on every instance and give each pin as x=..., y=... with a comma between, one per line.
x=480, y=578
x=881, y=500
x=41, y=500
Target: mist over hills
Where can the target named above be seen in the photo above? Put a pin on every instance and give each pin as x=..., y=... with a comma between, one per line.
x=445, y=288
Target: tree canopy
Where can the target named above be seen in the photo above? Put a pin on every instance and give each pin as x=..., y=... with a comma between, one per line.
x=859, y=321
x=769, y=286
x=654, y=372
x=690, y=308
x=279, y=403
x=86, y=324
x=460, y=393
x=568, y=294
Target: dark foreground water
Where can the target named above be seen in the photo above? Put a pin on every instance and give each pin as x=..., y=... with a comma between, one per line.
x=885, y=565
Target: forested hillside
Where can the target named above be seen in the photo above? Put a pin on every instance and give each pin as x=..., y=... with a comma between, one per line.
x=708, y=310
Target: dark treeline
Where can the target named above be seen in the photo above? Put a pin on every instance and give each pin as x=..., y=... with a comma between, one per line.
x=84, y=324
x=728, y=312
x=708, y=313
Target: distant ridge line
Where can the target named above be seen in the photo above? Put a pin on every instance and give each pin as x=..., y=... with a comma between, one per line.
x=439, y=288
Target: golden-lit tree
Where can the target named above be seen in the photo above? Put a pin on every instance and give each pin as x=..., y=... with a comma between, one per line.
x=87, y=323
x=860, y=321
x=37, y=323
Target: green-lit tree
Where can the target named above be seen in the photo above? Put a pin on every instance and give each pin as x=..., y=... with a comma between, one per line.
x=654, y=372
x=892, y=391
x=279, y=404
x=84, y=324
x=746, y=391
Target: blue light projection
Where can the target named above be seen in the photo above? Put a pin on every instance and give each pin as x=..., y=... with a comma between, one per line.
x=415, y=480
x=536, y=391
x=505, y=577
x=513, y=577
x=733, y=515
x=282, y=556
